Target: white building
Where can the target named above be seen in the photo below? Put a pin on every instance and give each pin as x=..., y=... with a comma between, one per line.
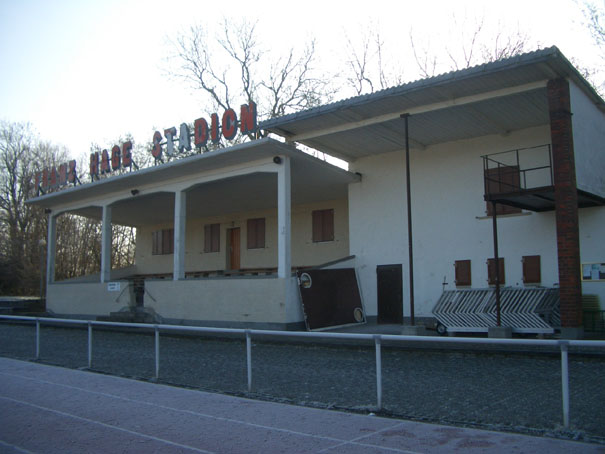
x=261, y=206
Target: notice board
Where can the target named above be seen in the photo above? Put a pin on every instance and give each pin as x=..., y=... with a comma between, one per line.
x=593, y=272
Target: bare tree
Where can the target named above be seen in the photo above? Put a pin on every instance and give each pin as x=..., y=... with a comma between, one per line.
x=234, y=66
x=367, y=68
x=468, y=43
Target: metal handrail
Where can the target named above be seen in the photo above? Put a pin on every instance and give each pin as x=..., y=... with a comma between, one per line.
x=562, y=345
x=495, y=164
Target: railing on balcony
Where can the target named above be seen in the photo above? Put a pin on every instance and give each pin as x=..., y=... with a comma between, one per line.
x=521, y=178
x=518, y=170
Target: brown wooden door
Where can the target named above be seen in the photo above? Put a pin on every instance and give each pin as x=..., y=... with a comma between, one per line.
x=233, y=249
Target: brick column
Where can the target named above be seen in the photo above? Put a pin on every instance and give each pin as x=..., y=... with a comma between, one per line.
x=566, y=205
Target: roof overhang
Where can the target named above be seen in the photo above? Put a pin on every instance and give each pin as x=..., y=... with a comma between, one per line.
x=494, y=98
x=137, y=202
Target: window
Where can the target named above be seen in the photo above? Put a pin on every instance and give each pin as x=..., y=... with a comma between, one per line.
x=531, y=269
x=256, y=233
x=323, y=225
x=491, y=271
x=463, y=272
x=499, y=180
x=162, y=242
x=212, y=237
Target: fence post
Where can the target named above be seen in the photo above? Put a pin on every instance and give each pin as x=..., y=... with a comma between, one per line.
x=89, y=345
x=157, y=351
x=249, y=358
x=37, y=338
x=565, y=381
x=378, y=372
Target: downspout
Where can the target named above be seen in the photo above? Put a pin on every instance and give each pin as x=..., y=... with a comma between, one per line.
x=409, y=207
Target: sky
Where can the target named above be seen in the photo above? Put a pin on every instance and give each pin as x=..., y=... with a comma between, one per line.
x=84, y=72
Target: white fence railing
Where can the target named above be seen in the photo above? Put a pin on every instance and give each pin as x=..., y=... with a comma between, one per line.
x=561, y=345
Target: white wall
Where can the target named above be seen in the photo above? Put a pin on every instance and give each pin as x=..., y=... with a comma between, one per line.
x=304, y=251
x=589, y=142
x=449, y=219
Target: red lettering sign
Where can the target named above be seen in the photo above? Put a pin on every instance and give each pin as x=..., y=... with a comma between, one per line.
x=105, y=165
x=115, y=157
x=71, y=173
x=62, y=175
x=94, y=165
x=229, y=124
x=200, y=133
x=127, y=154
x=156, y=151
x=215, y=134
x=247, y=118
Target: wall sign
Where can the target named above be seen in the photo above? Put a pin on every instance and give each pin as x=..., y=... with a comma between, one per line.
x=113, y=286
x=227, y=125
x=593, y=272
x=56, y=177
x=171, y=142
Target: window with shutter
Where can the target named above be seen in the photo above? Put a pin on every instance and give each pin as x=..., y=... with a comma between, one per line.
x=531, y=269
x=463, y=272
x=323, y=225
x=212, y=237
x=162, y=242
x=256, y=233
x=491, y=271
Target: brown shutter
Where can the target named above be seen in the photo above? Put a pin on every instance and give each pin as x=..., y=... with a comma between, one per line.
x=251, y=234
x=463, y=272
x=216, y=237
x=155, y=243
x=207, y=238
x=323, y=225
x=531, y=269
x=328, y=225
x=491, y=271
x=317, y=226
x=260, y=233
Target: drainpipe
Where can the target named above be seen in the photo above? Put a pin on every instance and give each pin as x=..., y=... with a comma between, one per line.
x=409, y=206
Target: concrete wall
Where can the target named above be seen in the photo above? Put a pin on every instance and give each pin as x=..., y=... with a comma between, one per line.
x=221, y=301
x=304, y=251
x=449, y=220
x=258, y=302
x=86, y=299
x=589, y=142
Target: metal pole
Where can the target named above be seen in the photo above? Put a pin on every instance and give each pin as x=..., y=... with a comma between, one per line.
x=565, y=382
x=89, y=345
x=378, y=372
x=409, y=208
x=37, y=339
x=249, y=358
x=496, y=262
x=157, y=352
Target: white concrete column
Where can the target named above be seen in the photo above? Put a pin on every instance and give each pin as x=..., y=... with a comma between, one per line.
x=180, y=221
x=51, y=250
x=106, y=245
x=284, y=260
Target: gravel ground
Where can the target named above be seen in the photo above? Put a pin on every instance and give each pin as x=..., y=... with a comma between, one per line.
x=500, y=391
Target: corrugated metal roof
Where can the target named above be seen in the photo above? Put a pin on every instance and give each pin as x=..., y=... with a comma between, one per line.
x=514, y=92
